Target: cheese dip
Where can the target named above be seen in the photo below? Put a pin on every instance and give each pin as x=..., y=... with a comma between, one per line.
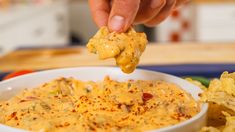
x=126, y=48
x=67, y=104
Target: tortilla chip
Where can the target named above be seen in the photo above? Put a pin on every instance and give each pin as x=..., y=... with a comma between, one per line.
x=126, y=48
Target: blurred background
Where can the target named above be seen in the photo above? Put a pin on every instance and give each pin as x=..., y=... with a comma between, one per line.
x=42, y=23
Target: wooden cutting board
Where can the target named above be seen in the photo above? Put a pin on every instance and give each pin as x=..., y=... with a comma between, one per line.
x=155, y=54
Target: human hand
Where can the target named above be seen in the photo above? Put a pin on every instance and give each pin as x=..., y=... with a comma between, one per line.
x=119, y=15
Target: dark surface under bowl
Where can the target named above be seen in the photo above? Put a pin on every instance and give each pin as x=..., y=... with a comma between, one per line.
x=182, y=70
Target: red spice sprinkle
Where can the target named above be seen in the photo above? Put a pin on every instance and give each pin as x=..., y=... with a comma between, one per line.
x=119, y=106
x=22, y=100
x=16, y=118
x=147, y=96
x=131, y=91
x=181, y=94
x=66, y=124
x=13, y=114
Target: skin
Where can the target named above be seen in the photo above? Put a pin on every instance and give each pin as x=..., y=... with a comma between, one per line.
x=119, y=15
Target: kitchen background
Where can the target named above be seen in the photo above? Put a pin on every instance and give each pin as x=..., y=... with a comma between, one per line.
x=42, y=23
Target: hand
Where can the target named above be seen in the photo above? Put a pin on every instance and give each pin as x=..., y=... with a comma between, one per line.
x=119, y=15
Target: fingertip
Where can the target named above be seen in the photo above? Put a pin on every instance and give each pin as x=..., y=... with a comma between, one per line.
x=116, y=23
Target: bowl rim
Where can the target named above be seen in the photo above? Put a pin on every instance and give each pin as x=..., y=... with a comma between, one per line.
x=203, y=107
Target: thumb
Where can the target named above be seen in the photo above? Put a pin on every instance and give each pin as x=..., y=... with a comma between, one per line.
x=122, y=14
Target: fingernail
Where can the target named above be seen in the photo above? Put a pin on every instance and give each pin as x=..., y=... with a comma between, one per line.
x=116, y=23
x=156, y=3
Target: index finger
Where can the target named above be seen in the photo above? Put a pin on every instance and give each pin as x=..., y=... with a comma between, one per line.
x=122, y=14
x=100, y=10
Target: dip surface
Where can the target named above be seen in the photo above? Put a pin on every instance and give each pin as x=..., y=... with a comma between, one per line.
x=67, y=104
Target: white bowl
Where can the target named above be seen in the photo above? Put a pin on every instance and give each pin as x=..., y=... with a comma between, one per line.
x=12, y=86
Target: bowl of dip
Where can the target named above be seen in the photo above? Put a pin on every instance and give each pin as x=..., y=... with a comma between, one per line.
x=154, y=83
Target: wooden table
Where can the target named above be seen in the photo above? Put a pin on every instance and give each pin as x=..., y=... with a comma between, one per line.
x=155, y=54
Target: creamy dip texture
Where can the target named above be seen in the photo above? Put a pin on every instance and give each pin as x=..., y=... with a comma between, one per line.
x=67, y=104
x=126, y=48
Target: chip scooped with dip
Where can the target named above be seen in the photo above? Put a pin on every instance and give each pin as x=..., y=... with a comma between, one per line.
x=126, y=47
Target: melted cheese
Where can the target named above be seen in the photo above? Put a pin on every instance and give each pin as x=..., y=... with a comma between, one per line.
x=73, y=105
x=126, y=48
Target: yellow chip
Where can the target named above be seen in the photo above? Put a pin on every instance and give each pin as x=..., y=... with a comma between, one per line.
x=216, y=117
x=126, y=48
x=210, y=129
x=230, y=124
x=221, y=91
x=221, y=98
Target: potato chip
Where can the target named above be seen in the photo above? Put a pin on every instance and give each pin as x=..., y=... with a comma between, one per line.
x=221, y=98
x=228, y=75
x=210, y=129
x=230, y=124
x=216, y=118
x=228, y=127
x=221, y=91
x=126, y=48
